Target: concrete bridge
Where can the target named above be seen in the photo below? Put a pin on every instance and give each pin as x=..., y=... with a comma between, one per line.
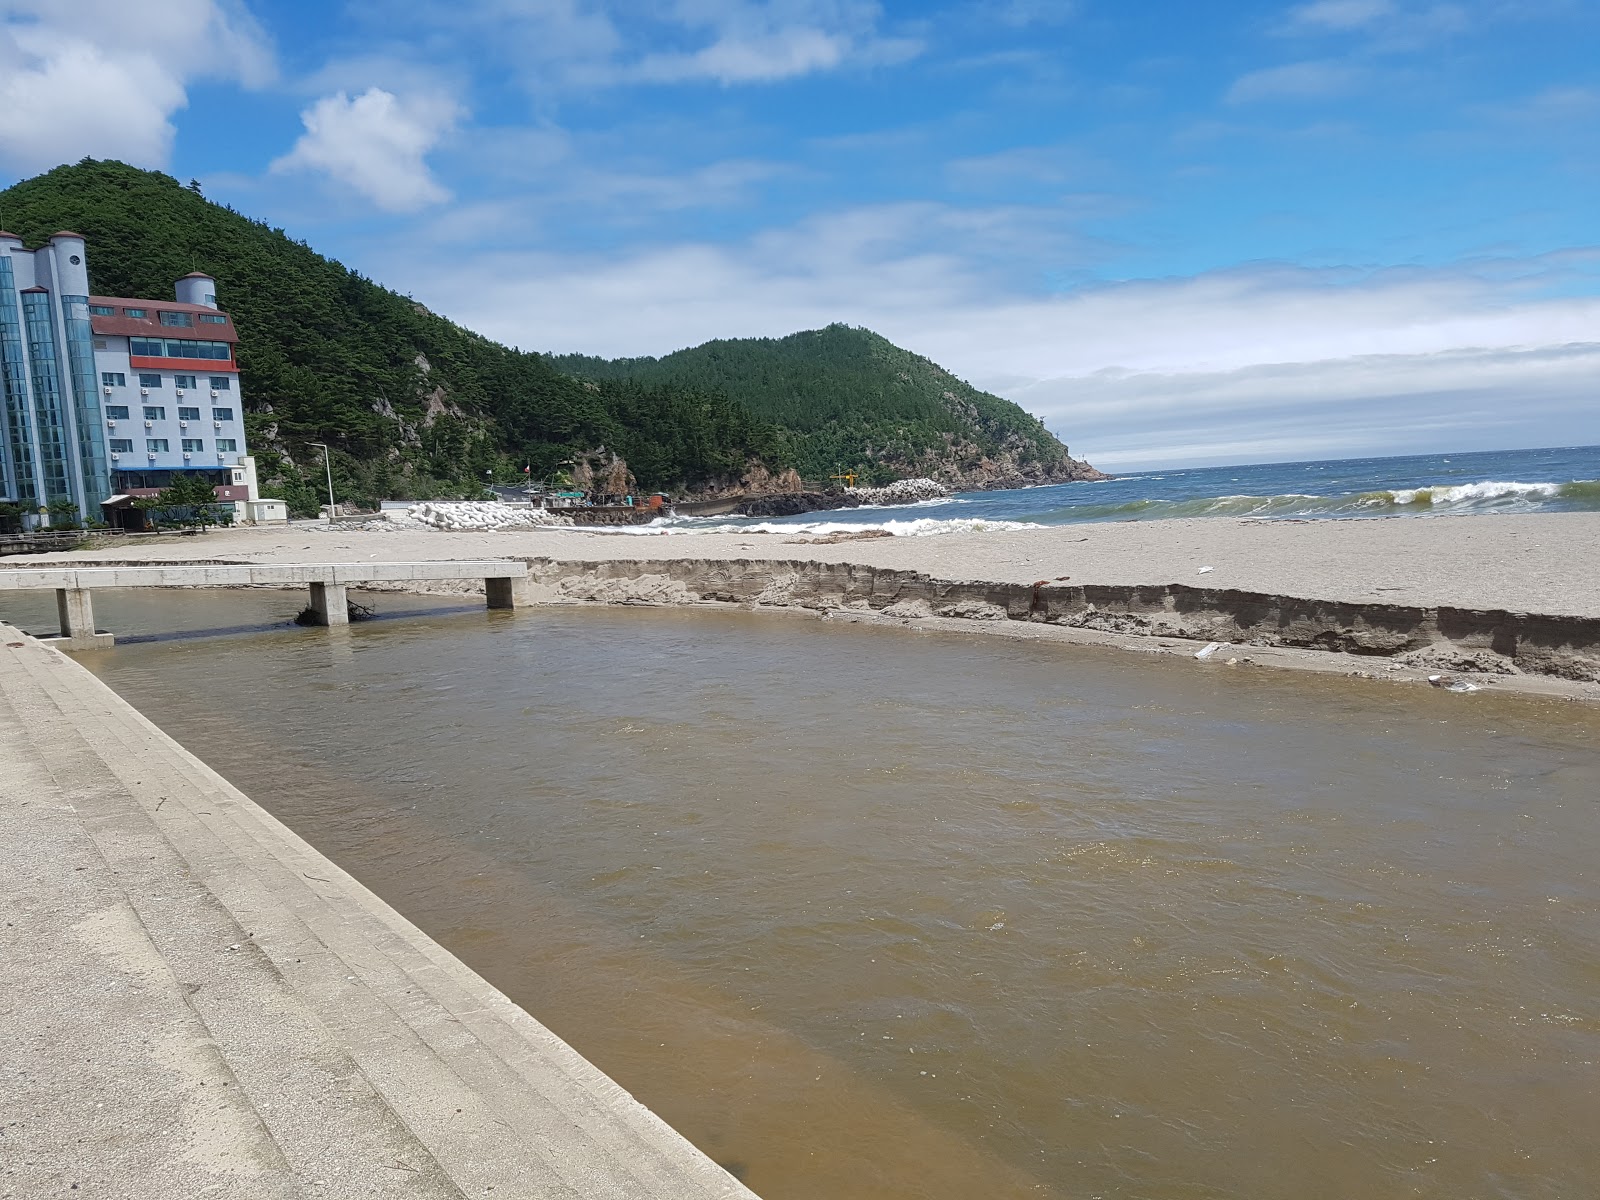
x=504, y=583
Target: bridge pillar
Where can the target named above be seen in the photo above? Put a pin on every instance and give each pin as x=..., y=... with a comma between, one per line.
x=330, y=604
x=76, y=613
x=505, y=593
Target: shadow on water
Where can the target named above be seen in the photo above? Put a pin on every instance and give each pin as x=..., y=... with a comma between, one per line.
x=189, y=635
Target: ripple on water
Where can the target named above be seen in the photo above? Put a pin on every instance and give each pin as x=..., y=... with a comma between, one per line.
x=876, y=915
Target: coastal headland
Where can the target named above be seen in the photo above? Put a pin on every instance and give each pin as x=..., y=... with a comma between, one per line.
x=1502, y=600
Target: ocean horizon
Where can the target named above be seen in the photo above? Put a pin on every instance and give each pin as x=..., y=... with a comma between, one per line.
x=1550, y=479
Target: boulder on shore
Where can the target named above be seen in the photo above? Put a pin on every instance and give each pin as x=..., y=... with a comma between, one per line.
x=901, y=491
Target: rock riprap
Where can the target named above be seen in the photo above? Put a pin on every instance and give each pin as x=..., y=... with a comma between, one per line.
x=463, y=516
x=901, y=491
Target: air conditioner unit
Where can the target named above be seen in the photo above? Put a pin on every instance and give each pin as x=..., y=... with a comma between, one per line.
x=187, y=456
x=183, y=424
x=115, y=455
x=151, y=454
x=107, y=389
x=216, y=424
x=144, y=391
x=215, y=393
x=220, y=453
x=111, y=422
x=180, y=391
x=149, y=424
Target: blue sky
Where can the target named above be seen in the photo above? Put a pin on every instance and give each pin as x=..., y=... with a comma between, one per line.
x=1179, y=232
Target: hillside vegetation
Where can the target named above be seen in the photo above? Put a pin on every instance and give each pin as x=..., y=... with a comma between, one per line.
x=413, y=403
x=417, y=406
x=847, y=399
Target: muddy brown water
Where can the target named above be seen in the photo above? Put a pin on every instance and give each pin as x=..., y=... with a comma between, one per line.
x=872, y=913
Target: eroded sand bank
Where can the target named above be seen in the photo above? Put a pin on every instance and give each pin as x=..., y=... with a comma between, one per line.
x=1515, y=597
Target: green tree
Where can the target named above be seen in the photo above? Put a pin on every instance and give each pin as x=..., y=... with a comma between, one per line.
x=187, y=500
x=63, y=512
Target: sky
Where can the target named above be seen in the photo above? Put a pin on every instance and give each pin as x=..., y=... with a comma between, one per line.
x=1179, y=232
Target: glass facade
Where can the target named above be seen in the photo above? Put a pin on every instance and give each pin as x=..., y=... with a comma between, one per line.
x=49, y=398
x=95, y=466
x=178, y=348
x=17, y=480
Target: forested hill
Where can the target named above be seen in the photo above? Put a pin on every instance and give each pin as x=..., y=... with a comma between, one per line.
x=848, y=399
x=413, y=404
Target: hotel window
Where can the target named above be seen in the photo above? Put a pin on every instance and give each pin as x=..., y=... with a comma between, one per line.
x=133, y=312
x=222, y=414
x=147, y=347
x=122, y=445
x=183, y=381
x=210, y=299
x=175, y=318
x=188, y=349
x=220, y=383
x=156, y=445
x=213, y=319
x=150, y=380
x=116, y=412
x=113, y=379
x=228, y=444
x=193, y=445
x=154, y=412
x=188, y=414
x=102, y=310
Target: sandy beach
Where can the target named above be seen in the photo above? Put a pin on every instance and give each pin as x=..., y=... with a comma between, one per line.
x=1510, y=600
x=1538, y=563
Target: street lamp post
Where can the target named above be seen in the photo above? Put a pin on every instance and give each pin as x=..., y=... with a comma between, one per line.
x=327, y=461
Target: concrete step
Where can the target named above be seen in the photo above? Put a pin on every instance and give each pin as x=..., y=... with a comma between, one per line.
x=578, y=1131
x=433, y=980
x=113, y=1082
x=332, y=1127
x=483, y=1033
x=336, y=962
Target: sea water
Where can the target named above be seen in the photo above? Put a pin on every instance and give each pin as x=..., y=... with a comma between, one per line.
x=1549, y=480
x=873, y=914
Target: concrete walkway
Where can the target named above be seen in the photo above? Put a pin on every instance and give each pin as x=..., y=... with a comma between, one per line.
x=197, y=1003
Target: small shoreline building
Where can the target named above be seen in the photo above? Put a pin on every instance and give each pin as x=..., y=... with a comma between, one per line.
x=106, y=398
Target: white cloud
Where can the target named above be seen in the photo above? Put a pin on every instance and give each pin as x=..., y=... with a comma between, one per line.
x=603, y=43
x=763, y=58
x=376, y=143
x=1341, y=14
x=105, y=77
x=1259, y=362
x=1294, y=81
x=771, y=40
x=1387, y=26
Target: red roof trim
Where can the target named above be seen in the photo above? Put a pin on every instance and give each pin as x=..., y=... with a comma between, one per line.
x=156, y=305
x=67, y=233
x=200, y=366
x=26, y=291
x=200, y=275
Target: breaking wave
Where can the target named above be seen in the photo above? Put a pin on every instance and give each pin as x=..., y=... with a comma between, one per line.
x=1485, y=496
x=1224, y=494
x=914, y=527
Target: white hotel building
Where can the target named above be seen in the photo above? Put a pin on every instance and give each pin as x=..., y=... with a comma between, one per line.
x=106, y=398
